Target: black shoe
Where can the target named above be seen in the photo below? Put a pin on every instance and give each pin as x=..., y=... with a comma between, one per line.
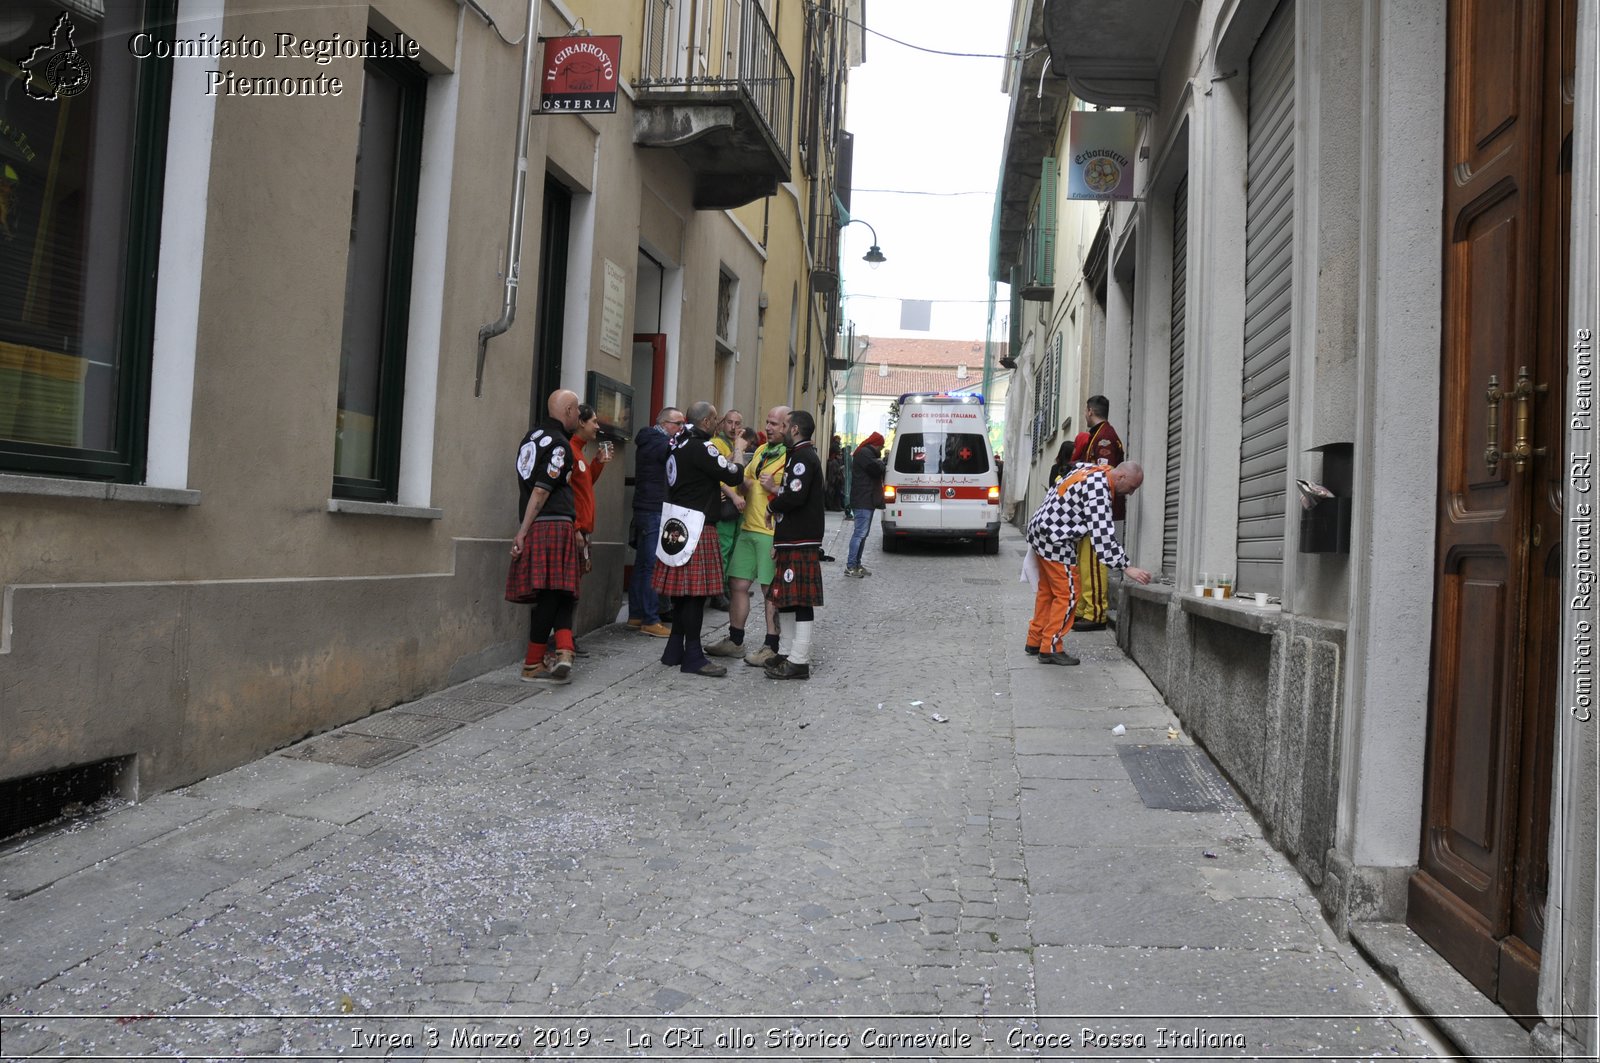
x=707, y=668
x=1089, y=625
x=1057, y=658
x=777, y=662
x=787, y=669
x=828, y=557
x=1031, y=651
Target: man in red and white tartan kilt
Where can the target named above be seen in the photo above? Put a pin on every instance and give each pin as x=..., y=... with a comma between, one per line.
x=695, y=469
x=545, y=555
x=798, y=507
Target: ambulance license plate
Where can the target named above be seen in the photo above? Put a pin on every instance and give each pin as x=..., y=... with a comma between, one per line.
x=918, y=494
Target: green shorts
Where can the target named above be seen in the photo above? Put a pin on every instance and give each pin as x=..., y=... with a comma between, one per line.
x=752, y=558
x=727, y=532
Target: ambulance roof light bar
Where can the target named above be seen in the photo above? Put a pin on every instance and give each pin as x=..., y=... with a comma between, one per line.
x=940, y=396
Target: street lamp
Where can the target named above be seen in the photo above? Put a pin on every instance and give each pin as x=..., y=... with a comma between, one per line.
x=874, y=256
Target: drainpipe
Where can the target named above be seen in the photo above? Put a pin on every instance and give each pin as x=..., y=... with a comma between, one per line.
x=530, y=41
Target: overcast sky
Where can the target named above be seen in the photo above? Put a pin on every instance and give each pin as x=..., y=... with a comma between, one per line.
x=925, y=123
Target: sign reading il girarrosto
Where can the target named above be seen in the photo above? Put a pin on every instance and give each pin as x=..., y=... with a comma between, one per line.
x=288, y=47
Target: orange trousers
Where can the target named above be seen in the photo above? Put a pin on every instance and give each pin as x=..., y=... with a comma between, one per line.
x=1052, y=605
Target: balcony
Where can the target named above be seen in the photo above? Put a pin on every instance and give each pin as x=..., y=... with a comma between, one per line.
x=720, y=95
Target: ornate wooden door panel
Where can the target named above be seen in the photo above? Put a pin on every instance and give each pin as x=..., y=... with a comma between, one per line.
x=1478, y=896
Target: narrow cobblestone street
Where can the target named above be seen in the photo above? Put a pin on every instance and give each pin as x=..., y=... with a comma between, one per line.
x=933, y=826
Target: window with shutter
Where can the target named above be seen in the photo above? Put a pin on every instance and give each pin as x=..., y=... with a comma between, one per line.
x=1269, y=257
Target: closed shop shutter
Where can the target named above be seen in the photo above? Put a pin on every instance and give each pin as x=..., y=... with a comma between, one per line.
x=1180, y=271
x=1269, y=230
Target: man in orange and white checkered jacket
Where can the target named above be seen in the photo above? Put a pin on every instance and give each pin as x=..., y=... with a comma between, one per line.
x=1080, y=506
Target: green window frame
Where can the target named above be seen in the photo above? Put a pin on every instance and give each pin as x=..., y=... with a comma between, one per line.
x=75, y=352
x=383, y=219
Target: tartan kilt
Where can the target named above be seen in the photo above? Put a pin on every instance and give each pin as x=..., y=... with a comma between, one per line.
x=798, y=579
x=698, y=577
x=548, y=562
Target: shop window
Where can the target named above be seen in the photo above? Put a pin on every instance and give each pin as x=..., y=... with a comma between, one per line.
x=83, y=124
x=383, y=214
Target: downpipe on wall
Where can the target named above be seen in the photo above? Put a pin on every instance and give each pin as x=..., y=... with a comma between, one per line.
x=508, y=313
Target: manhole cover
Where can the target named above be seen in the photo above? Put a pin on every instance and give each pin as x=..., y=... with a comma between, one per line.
x=504, y=693
x=1176, y=778
x=453, y=709
x=350, y=750
x=405, y=726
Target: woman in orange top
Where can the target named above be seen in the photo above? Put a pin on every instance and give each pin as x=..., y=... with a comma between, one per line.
x=584, y=474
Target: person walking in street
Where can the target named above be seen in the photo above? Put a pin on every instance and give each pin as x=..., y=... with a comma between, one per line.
x=690, y=553
x=1076, y=510
x=649, y=491
x=545, y=550
x=798, y=508
x=751, y=561
x=867, y=469
x=1101, y=446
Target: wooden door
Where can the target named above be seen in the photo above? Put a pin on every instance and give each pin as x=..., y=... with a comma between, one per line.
x=1479, y=893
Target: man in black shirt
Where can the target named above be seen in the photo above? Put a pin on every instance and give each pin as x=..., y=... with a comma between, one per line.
x=797, y=505
x=545, y=549
x=689, y=565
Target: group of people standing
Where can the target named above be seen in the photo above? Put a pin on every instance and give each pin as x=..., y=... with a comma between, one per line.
x=717, y=510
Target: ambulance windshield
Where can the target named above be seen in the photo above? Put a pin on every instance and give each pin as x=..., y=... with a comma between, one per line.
x=963, y=453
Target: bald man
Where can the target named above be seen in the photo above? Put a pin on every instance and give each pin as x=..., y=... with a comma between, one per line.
x=546, y=559
x=1079, y=507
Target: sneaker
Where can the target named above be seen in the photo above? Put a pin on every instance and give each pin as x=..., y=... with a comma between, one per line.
x=561, y=669
x=863, y=570
x=543, y=673
x=1057, y=658
x=853, y=573
x=726, y=648
x=658, y=629
x=787, y=669
x=636, y=623
x=758, y=657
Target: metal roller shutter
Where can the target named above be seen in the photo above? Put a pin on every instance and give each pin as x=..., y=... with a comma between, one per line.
x=1180, y=271
x=1269, y=229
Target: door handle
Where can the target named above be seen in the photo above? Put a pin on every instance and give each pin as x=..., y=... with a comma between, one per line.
x=1522, y=394
x=1491, y=449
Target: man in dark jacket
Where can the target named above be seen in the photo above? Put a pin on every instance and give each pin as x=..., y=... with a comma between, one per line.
x=797, y=506
x=866, y=495
x=689, y=569
x=649, y=491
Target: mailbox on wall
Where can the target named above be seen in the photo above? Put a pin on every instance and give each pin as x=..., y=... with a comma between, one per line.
x=1325, y=527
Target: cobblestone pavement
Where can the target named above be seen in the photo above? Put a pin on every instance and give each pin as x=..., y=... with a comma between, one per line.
x=930, y=849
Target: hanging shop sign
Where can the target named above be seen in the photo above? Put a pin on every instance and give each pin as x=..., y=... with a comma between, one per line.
x=580, y=74
x=1101, y=147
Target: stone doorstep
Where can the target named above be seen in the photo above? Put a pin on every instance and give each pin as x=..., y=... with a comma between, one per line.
x=1465, y=1017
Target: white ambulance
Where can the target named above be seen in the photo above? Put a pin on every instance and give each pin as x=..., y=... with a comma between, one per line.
x=942, y=481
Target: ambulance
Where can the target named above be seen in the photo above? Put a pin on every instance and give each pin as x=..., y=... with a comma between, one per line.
x=941, y=481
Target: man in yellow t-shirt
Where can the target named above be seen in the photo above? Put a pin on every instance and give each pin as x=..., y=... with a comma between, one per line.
x=751, y=560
